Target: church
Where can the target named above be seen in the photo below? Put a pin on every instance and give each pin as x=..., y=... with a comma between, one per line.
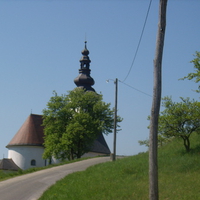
x=26, y=148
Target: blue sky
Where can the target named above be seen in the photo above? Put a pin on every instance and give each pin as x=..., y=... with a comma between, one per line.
x=41, y=43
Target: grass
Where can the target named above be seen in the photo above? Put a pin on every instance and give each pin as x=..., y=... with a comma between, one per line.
x=5, y=174
x=104, y=181
x=127, y=178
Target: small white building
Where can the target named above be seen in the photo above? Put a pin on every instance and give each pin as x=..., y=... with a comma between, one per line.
x=26, y=147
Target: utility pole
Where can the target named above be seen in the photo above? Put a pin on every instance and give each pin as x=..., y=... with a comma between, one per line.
x=153, y=143
x=115, y=121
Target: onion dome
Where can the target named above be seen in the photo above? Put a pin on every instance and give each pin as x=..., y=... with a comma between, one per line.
x=84, y=80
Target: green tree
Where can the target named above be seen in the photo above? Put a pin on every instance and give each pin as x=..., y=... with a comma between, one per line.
x=72, y=122
x=162, y=140
x=196, y=74
x=180, y=119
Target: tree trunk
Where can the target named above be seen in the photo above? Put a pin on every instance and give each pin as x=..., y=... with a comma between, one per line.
x=79, y=150
x=153, y=140
x=72, y=154
x=186, y=143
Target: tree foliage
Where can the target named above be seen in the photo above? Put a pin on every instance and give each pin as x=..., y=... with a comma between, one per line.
x=180, y=119
x=162, y=140
x=195, y=75
x=72, y=122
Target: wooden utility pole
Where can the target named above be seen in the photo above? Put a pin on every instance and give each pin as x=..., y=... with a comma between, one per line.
x=115, y=121
x=153, y=143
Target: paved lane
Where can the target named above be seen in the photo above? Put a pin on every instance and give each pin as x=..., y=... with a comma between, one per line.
x=31, y=186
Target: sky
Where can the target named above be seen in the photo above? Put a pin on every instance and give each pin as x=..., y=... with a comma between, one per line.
x=40, y=48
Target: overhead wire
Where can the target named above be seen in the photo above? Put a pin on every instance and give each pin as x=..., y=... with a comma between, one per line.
x=138, y=42
x=136, y=89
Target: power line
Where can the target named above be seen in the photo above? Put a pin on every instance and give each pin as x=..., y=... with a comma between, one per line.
x=135, y=89
x=129, y=86
x=138, y=42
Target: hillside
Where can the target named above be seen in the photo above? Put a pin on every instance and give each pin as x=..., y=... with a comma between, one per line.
x=127, y=178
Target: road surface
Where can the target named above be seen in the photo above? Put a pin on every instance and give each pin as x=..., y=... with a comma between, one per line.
x=31, y=186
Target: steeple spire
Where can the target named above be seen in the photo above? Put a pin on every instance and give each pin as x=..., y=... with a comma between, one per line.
x=85, y=60
x=84, y=80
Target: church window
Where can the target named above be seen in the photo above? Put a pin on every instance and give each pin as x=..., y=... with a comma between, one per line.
x=33, y=163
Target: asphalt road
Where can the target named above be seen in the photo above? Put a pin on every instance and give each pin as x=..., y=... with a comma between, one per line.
x=31, y=186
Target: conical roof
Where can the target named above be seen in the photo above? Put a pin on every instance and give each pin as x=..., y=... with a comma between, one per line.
x=100, y=145
x=8, y=164
x=30, y=133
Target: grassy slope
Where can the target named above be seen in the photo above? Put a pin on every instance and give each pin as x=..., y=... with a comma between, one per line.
x=127, y=178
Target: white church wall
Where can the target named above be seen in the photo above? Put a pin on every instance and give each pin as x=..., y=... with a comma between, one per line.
x=52, y=161
x=27, y=156
x=55, y=161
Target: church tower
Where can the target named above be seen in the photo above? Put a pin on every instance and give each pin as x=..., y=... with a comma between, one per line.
x=26, y=148
x=84, y=80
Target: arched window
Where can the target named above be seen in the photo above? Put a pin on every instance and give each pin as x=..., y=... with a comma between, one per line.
x=33, y=163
